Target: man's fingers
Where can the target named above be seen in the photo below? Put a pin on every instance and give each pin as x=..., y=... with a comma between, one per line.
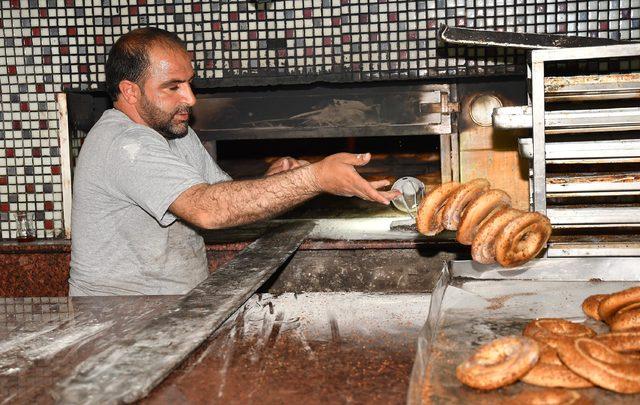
x=390, y=195
x=360, y=159
x=378, y=184
x=375, y=195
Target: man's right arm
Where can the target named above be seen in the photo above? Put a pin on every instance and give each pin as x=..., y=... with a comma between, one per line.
x=232, y=203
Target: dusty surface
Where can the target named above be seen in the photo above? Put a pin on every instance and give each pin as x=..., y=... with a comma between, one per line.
x=311, y=348
x=290, y=370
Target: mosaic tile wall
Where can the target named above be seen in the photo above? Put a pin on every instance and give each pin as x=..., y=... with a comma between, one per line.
x=50, y=45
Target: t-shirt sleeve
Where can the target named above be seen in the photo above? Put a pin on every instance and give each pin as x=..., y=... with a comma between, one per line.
x=149, y=174
x=213, y=172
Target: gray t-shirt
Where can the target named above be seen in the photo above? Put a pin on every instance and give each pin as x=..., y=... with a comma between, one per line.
x=124, y=239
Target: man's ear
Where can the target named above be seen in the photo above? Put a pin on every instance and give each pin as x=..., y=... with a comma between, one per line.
x=130, y=92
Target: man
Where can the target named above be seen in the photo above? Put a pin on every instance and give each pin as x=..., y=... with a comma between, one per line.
x=144, y=182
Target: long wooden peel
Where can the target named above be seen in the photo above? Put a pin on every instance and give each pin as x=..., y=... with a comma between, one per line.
x=130, y=368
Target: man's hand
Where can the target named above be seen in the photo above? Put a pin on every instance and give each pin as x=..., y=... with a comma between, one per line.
x=283, y=164
x=337, y=175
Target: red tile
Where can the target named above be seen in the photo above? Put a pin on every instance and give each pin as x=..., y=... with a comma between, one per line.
x=40, y=88
x=31, y=188
x=48, y=224
x=43, y=124
x=14, y=3
x=404, y=55
x=133, y=10
x=336, y=21
x=346, y=38
x=363, y=18
x=3, y=181
x=262, y=15
x=326, y=41
x=35, y=31
x=46, y=59
x=308, y=51
x=48, y=205
x=413, y=35
x=216, y=26
x=36, y=152
x=26, y=41
x=197, y=8
x=43, y=13
x=234, y=16
x=10, y=152
x=307, y=13
x=4, y=207
x=289, y=33
x=15, y=124
x=84, y=68
x=55, y=169
x=99, y=39
x=69, y=3
x=64, y=50
x=72, y=31
x=282, y=53
x=393, y=17
x=142, y=2
x=253, y=34
x=24, y=107
x=12, y=70
x=116, y=20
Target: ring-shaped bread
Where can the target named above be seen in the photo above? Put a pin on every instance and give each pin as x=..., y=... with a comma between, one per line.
x=499, y=363
x=430, y=210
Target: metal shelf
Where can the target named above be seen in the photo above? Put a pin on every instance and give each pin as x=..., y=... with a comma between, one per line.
x=622, y=150
x=593, y=249
x=626, y=216
x=591, y=88
x=594, y=184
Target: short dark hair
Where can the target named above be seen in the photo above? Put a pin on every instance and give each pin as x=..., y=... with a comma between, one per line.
x=129, y=58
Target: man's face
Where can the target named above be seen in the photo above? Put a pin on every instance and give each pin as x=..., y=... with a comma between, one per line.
x=166, y=92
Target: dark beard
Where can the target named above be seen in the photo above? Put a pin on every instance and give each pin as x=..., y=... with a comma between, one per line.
x=162, y=121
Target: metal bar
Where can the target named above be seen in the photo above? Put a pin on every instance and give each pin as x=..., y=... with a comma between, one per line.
x=591, y=52
x=327, y=132
x=130, y=368
x=476, y=37
x=65, y=162
x=591, y=215
x=539, y=164
x=557, y=268
x=570, y=121
x=446, y=158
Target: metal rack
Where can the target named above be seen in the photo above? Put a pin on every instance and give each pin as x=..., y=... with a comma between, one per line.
x=600, y=135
